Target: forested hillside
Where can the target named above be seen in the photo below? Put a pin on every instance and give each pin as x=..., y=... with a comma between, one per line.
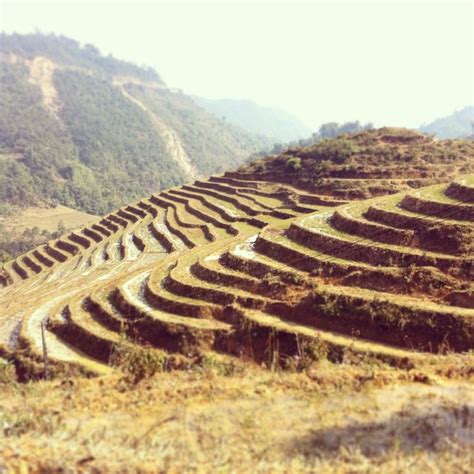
x=93, y=132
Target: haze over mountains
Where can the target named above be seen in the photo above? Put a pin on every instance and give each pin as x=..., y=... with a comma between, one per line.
x=277, y=125
x=94, y=132
x=456, y=125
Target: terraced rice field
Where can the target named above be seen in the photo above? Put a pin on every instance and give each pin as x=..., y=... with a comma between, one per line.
x=256, y=270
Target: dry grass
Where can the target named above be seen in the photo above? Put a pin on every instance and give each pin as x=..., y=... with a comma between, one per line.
x=46, y=218
x=342, y=418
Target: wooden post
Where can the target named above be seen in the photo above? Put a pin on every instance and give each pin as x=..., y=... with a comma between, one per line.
x=45, y=350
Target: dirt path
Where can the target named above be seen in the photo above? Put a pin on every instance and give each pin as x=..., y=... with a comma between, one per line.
x=41, y=74
x=170, y=137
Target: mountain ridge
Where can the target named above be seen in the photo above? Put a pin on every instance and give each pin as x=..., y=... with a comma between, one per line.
x=459, y=124
x=276, y=124
x=92, y=132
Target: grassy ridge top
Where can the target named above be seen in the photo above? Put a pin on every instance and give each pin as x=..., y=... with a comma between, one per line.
x=382, y=154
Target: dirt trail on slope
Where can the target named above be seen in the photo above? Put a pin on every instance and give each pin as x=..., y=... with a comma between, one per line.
x=170, y=137
x=41, y=74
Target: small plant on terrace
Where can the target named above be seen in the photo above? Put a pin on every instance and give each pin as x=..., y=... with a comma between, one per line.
x=7, y=371
x=212, y=363
x=137, y=362
x=309, y=352
x=293, y=163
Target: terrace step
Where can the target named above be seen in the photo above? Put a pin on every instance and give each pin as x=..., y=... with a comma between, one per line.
x=20, y=270
x=267, y=336
x=152, y=245
x=237, y=204
x=233, y=191
x=99, y=305
x=5, y=277
x=364, y=309
x=62, y=246
x=45, y=261
x=114, y=251
x=101, y=230
x=160, y=233
x=462, y=189
x=278, y=246
x=127, y=216
x=194, y=210
x=60, y=354
x=278, y=249
x=189, y=221
x=163, y=329
x=117, y=220
x=31, y=264
x=159, y=297
x=99, y=255
x=203, y=201
x=174, y=228
x=132, y=246
x=439, y=235
x=136, y=211
x=440, y=206
x=109, y=225
x=235, y=182
x=79, y=240
x=183, y=281
x=315, y=232
x=93, y=235
x=77, y=327
x=344, y=221
x=148, y=207
x=209, y=269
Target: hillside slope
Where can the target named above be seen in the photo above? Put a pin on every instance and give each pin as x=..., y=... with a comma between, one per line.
x=278, y=125
x=369, y=163
x=456, y=125
x=260, y=271
x=93, y=132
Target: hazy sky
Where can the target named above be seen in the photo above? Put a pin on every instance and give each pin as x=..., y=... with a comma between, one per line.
x=393, y=63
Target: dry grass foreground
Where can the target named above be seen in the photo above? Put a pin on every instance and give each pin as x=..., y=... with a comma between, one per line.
x=332, y=418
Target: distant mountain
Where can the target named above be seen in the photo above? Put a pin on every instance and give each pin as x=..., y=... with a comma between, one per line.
x=94, y=132
x=277, y=125
x=456, y=125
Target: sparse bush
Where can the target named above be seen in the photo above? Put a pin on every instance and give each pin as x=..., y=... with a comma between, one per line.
x=309, y=352
x=293, y=163
x=271, y=284
x=7, y=372
x=211, y=362
x=138, y=362
x=337, y=150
